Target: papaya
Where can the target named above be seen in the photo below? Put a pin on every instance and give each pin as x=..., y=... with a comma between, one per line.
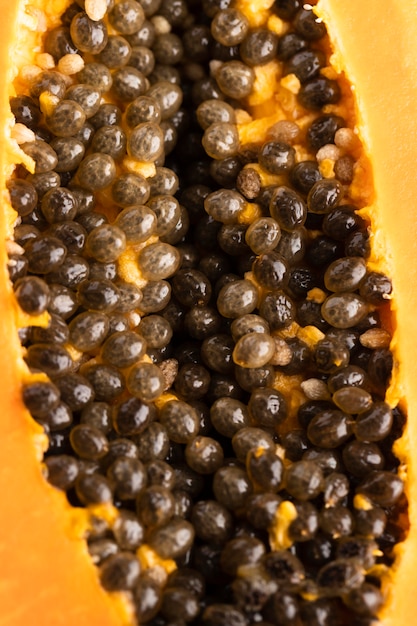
x=281, y=84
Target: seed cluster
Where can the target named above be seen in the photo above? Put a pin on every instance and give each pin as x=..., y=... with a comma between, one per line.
x=216, y=360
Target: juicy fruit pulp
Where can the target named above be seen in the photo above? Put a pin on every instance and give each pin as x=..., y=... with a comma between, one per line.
x=331, y=314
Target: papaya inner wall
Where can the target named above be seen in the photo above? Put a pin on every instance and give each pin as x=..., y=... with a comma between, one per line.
x=376, y=45
x=46, y=576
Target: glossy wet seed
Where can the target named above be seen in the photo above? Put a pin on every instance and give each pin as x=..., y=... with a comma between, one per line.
x=172, y=394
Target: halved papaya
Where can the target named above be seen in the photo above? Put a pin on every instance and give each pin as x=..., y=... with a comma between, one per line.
x=46, y=576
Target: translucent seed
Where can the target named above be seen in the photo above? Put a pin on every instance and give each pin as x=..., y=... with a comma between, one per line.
x=228, y=415
x=107, y=115
x=155, y=506
x=375, y=423
x=88, y=442
x=88, y=330
x=221, y=140
x=23, y=196
x=336, y=521
x=324, y=196
x=143, y=59
x=278, y=310
x=127, y=17
x=142, y=109
x=123, y=349
x=331, y=355
x=336, y=488
x=93, y=489
x=254, y=350
x=376, y=288
x=96, y=171
x=344, y=310
x=267, y=407
x=339, y=576
x=107, y=381
x=259, y=47
x=365, y=600
x=44, y=156
x=88, y=35
x=263, y=235
x=96, y=75
x=98, y=295
x=130, y=189
x=87, y=96
x=57, y=420
x=225, y=205
x=116, y=53
x=146, y=382
x=235, y=79
x=352, y=400
x=128, y=83
x=156, y=295
x=330, y=429
x=98, y=415
x=66, y=119
x=106, y=243
x=180, y=420
x=319, y=91
x=276, y=157
x=62, y=471
x=32, y=294
x=214, y=111
x=288, y=208
x=382, y=488
x=128, y=476
x=109, y=140
x=237, y=298
x=172, y=540
x=120, y=572
x=169, y=97
x=45, y=254
x=304, y=480
x=146, y=142
x=70, y=152
x=229, y=27
x=345, y=274
x=75, y=391
x=167, y=210
x=231, y=487
x=59, y=205
x=204, y=455
x=132, y=417
x=158, y=261
x=128, y=531
x=40, y=397
x=50, y=82
x=249, y=438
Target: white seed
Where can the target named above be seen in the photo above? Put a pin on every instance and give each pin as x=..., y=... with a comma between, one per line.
x=45, y=61
x=162, y=26
x=29, y=72
x=329, y=151
x=284, y=130
x=13, y=247
x=95, y=9
x=22, y=134
x=283, y=354
x=169, y=369
x=346, y=139
x=70, y=64
x=375, y=338
x=315, y=389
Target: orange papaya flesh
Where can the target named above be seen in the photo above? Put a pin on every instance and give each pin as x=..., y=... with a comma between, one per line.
x=50, y=557
x=388, y=134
